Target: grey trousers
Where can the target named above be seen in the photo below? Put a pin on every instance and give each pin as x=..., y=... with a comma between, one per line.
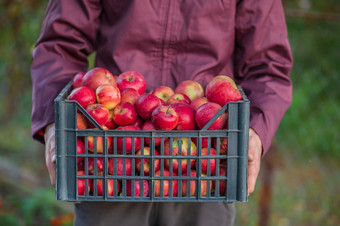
x=154, y=214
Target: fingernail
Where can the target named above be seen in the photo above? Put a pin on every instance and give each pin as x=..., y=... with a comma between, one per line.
x=250, y=157
x=53, y=158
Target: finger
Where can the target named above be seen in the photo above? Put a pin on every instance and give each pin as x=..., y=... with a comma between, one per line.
x=253, y=172
x=51, y=170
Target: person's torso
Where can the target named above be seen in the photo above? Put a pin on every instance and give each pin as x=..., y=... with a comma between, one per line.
x=168, y=41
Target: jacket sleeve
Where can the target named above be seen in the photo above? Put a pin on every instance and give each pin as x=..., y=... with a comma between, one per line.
x=263, y=61
x=68, y=35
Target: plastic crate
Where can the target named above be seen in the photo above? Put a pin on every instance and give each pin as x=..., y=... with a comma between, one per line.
x=235, y=161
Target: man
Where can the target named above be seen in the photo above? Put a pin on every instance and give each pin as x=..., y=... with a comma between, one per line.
x=168, y=42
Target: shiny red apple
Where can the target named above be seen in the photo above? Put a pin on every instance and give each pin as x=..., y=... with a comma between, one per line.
x=124, y=114
x=96, y=77
x=222, y=89
x=131, y=79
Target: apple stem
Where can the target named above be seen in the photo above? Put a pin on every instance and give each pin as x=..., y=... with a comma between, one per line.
x=168, y=109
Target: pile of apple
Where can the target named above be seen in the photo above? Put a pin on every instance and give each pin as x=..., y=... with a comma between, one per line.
x=121, y=103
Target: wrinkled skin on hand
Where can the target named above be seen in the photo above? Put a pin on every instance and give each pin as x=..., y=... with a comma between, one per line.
x=254, y=159
x=50, y=155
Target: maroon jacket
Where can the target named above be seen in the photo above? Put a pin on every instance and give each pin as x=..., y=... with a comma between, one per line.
x=168, y=42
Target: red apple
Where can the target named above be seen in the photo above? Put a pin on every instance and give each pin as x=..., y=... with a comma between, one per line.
x=204, y=161
x=166, y=184
x=99, y=165
x=116, y=167
x=208, y=111
x=199, y=102
x=179, y=98
x=223, y=145
x=81, y=184
x=180, y=149
x=149, y=126
x=128, y=141
x=131, y=79
x=222, y=89
x=125, y=114
x=186, y=116
x=77, y=80
x=80, y=165
x=100, y=142
x=80, y=148
x=193, y=186
x=222, y=183
x=81, y=122
x=204, y=142
x=146, y=162
x=110, y=124
x=146, y=104
x=129, y=185
x=139, y=122
x=96, y=77
x=83, y=95
x=164, y=117
x=99, y=112
x=110, y=187
x=190, y=88
x=129, y=95
x=108, y=95
x=163, y=92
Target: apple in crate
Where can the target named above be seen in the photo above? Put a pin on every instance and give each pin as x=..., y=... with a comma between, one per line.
x=166, y=184
x=108, y=95
x=206, y=112
x=99, y=113
x=163, y=92
x=186, y=116
x=204, y=161
x=77, y=80
x=110, y=124
x=193, y=185
x=100, y=142
x=96, y=77
x=128, y=141
x=80, y=148
x=110, y=187
x=116, y=166
x=81, y=122
x=99, y=165
x=180, y=147
x=222, y=89
x=131, y=79
x=83, y=95
x=129, y=95
x=146, y=161
x=146, y=104
x=164, y=117
x=138, y=189
x=199, y=102
x=124, y=114
x=190, y=88
x=148, y=125
x=179, y=98
x=222, y=183
x=81, y=184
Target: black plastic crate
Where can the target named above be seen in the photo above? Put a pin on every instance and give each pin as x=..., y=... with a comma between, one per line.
x=208, y=187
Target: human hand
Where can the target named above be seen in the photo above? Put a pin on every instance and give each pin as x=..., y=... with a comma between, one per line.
x=50, y=155
x=254, y=159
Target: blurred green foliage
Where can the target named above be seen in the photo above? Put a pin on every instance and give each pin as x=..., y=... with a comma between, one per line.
x=307, y=137
x=311, y=125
